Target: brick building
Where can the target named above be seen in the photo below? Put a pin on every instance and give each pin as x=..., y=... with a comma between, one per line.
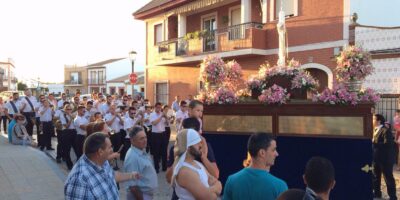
x=244, y=30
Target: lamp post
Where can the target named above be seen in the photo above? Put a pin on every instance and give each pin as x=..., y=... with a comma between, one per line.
x=132, y=57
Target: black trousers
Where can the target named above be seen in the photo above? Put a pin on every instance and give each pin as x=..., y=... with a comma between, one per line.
x=78, y=145
x=67, y=141
x=116, y=141
x=59, y=144
x=29, y=124
x=48, y=131
x=387, y=170
x=127, y=145
x=38, y=126
x=159, y=150
x=149, y=140
x=3, y=120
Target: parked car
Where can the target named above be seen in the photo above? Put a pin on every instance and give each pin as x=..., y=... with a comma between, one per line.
x=7, y=94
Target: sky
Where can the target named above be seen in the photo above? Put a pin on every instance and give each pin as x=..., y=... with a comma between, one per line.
x=377, y=12
x=44, y=35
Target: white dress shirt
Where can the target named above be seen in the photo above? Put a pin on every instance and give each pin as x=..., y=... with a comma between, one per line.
x=28, y=107
x=160, y=126
x=78, y=121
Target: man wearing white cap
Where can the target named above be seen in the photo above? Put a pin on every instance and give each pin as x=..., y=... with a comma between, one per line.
x=190, y=178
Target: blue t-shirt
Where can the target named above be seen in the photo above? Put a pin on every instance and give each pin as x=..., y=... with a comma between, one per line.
x=253, y=184
x=10, y=129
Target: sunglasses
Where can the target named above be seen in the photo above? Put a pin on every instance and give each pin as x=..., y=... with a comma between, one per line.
x=133, y=113
x=68, y=109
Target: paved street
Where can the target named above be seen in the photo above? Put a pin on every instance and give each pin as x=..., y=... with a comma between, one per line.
x=27, y=173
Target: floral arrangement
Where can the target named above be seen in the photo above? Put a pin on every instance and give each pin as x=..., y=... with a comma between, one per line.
x=353, y=64
x=303, y=80
x=212, y=71
x=369, y=95
x=254, y=83
x=340, y=94
x=274, y=95
x=221, y=96
x=290, y=70
x=233, y=75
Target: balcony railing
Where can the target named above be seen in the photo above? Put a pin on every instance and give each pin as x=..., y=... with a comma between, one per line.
x=242, y=36
x=73, y=82
x=97, y=81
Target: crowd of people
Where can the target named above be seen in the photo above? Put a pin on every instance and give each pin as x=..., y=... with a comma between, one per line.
x=104, y=128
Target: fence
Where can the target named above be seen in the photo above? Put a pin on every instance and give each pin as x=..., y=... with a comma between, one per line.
x=387, y=106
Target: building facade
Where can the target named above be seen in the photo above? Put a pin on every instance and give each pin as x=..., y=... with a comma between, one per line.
x=121, y=85
x=75, y=79
x=384, y=45
x=8, y=80
x=181, y=33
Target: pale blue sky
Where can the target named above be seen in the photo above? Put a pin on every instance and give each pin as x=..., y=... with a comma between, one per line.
x=377, y=12
x=43, y=35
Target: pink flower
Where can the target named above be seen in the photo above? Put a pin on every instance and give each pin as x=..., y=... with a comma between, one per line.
x=353, y=64
x=274, y=95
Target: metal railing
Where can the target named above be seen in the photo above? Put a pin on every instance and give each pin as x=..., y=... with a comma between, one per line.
x=219, y=40
x=97, y=81
x=387, y=106
x=73, y=82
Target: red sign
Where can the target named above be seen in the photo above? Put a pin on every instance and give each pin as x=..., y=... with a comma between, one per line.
x=133, y=78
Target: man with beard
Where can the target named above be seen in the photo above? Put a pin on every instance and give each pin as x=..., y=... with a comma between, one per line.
x=255, y=182
x=190, y=178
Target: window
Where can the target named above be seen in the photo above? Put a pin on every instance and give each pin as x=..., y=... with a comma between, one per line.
x=101, y=78
x=92, y=79
x=158, y=33
x=289, y=7
x=74, y=77
x=162, y=93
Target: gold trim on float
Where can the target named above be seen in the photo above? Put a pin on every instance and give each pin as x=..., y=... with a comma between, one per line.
x=343, y=126
x=237, y=123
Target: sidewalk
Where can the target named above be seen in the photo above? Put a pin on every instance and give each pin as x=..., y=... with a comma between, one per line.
x=27, y=173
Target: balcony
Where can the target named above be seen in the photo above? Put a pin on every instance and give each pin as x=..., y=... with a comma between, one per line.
x=238, y=40
x=96, y=81
x=73, y=82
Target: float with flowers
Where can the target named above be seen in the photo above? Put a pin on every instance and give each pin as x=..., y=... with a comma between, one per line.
x=283, y=100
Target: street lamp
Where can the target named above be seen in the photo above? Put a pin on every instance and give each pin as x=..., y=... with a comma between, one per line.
x=132, y=57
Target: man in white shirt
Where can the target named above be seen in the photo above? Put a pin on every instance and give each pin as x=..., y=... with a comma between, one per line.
x=13, y=106
x=105, y=107
x=181, y=115
x=158, y=120
x=80, y=123
x=28, y=110
x=61, y=102
x=90, y=111
x=46, y=117
x=115, y=122
x=130, y=121
x=175, y=104
x=68, y=134
x=53, y=101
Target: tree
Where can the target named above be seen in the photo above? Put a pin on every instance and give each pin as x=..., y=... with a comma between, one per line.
x=21, y=86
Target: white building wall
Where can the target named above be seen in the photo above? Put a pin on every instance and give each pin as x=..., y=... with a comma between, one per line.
x=386, y=78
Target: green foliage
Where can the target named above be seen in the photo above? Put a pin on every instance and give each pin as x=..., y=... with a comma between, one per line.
x=21, y=86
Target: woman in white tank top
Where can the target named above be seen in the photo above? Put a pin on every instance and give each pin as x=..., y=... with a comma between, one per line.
x=190, y=178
